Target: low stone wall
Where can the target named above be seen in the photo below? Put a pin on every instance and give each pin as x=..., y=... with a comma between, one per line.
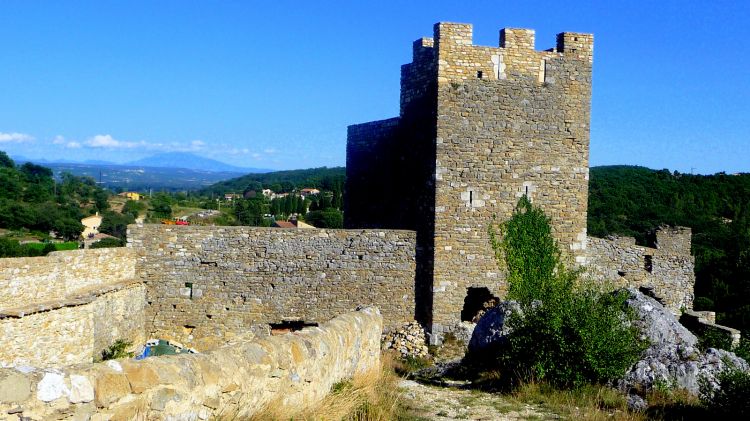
x=73, y=330
x=31, y=280
x=237, y=381
x=703, y=324
x=206, y=285
x=665, y=271
x=65, y=308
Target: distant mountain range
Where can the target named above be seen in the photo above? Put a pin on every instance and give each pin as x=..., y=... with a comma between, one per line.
x=192, y=162
x=182, y=160
x=175, y=171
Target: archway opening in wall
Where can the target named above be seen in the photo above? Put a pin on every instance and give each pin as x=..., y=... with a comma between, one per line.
x=289, y=326
x=478, y=300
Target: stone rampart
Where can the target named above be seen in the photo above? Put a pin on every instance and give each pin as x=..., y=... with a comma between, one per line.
x=290, y=372
x=206, y=285
x=67, y=307
x=665, y=271
x=35, y=280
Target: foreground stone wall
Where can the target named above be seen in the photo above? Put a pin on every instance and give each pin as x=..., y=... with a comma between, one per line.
x=32, y=280
x=75, y=330
x=67, y=307
x=289, y=372
x=666, y=270
x=207, y=285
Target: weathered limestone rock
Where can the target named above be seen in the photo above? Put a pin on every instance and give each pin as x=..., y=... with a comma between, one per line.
x=110, y=387
x=492, y=329
x=14, y=387
x=673, y=359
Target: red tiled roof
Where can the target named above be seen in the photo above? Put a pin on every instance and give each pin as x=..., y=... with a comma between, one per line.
x=284, y=224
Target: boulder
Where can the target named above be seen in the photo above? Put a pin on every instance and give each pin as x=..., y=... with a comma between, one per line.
x=492, y=329
x=673, y=358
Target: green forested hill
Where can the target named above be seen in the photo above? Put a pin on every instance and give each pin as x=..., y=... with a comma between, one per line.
x=629, y=200
x=323, y=178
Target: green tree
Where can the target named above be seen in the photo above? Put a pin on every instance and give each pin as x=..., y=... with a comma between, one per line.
x=6, y=161
x=329, y=218
x=68, y=228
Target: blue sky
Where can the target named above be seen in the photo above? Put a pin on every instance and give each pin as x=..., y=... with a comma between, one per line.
x=274, y=84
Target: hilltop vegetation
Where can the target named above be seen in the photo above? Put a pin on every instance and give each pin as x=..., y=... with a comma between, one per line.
x=33, y=205
x=323, y=178
x=629, y=200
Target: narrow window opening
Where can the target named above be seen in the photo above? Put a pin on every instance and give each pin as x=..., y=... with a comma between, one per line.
x=479, y=74
x=471, y=197
x=190, y=285
x=648, y=263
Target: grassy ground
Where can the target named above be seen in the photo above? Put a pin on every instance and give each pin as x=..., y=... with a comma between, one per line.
x=68, y=245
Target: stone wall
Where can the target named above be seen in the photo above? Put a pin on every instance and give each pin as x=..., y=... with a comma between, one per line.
x=289, y=373
x=67, y=307
x=75, y=330
x=665, y=270
x=207, y=285
x=31, y=280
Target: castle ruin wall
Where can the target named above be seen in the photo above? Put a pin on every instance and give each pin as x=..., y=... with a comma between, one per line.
x=67, y=307
x=666, y=270
x=207, y=285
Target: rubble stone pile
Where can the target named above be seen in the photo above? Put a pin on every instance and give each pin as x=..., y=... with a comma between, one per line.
x=408, y=340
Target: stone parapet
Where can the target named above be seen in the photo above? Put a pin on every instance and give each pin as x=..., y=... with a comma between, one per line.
x=289, y=372
x=25, y=281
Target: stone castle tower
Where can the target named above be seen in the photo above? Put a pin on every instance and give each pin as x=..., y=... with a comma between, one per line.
x=478, y=128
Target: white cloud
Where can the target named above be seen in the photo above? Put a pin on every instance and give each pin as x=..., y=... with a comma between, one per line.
x=73, y=145
x=109, y=142
x=256, y=155
x=15, y=137
x=58, y=140
x=106, y=141
x=270, y=151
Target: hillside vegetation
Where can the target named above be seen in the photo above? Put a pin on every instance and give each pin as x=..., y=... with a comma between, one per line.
x=323, y=178
x=628, y=200
x=36, y=207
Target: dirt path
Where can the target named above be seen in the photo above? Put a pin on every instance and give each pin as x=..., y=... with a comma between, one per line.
x=448, y=403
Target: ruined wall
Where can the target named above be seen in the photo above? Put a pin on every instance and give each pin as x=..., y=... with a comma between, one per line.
x=29, y=280
x=666, y=269
x=289, y=372
x=67, y=307
x=208, y=284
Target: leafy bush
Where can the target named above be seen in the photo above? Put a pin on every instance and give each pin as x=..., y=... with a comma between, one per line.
x=117, y=350
x=733, y=395
x=570, y=333
x=107, y=243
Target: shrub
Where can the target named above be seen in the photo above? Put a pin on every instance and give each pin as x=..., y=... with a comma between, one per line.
x=117, y=350
x=732, y=397
x=571, y=333
x=108, y=242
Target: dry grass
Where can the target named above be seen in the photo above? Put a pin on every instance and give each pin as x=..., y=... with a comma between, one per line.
x=370, y=396
x=589, y=403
